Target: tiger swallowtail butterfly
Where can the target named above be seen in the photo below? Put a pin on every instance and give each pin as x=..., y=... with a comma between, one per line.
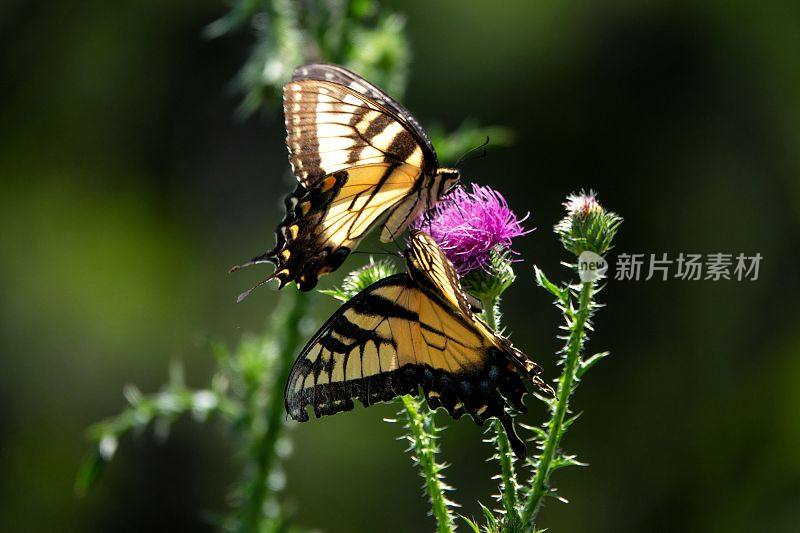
x=407, y=332
x=360, y=158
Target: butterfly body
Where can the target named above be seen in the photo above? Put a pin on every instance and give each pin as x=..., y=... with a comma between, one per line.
x=409, y=332
x=361, y=160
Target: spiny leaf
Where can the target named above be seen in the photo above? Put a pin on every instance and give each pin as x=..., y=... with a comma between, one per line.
x=538, y=432
x=589, y=363
x=569, y=421
x=552, y=288
x=471, y=523
x=90, y=469
x=562, y=461
x=488, y=515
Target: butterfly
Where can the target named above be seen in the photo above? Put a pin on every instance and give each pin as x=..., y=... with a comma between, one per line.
x=409, y=331
x=360, y=158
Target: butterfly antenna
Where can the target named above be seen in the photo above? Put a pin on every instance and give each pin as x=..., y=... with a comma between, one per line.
x=397, y=252
x=383, y=252
x=463, y=158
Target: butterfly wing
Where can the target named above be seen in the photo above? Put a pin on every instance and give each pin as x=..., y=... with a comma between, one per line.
x=359, y=157
x=324, y=223
x=342, y=76
x=429, y=265
x=393, y=338
x=331, y=127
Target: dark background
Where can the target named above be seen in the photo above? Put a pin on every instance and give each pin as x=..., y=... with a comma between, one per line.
x=128, y=189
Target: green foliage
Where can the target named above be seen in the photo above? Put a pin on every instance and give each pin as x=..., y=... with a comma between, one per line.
x=586, y=226
x=521, y=503
x=353, y=33
x=381, y=54
x=263, y=438
x=498, y=523
x=492, y=523
x=508, y=484
x=246, y=394
x=422, y=435
x=159, y=410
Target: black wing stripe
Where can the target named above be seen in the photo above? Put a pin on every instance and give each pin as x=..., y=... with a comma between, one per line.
x=344, y=327
x=376, y=127
x=374, y=305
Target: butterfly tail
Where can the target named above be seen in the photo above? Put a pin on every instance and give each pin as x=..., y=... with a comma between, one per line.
x=517, y=445
x=275, y=275
x=257, y=260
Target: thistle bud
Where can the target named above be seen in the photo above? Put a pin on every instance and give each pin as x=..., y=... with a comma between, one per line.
x=587, y=226
x=490, y=282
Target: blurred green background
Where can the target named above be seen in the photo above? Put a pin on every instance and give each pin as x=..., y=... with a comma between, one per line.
x=129, y=188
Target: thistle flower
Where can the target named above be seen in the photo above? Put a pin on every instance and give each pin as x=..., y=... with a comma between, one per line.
x=475, y=228
x=587, y=226
x=472, y=226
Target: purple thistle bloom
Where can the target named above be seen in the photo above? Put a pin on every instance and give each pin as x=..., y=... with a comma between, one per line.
x=468, y=225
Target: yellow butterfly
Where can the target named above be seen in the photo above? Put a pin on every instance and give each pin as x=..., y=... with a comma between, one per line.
x=360, y=158
x=409, y=331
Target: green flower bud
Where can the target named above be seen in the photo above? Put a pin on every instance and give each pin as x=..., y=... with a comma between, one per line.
x=490, y=282
x=587, y=225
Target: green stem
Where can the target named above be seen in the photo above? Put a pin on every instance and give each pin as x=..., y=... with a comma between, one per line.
x=508, y=489
x=425, y=449
x=508, y=476
x=539, y=486
x=263, y=449
x=491, y=313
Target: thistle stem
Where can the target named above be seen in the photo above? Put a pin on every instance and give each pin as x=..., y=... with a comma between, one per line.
x=539, y=485
x=424, y=443
x=508, y=489
x=491, y=313
x=508, y=476
x=263, y=449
